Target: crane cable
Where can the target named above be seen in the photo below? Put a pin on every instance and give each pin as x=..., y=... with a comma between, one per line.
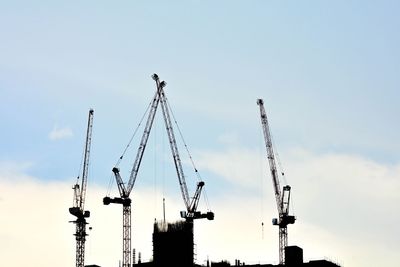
x=111, y=182
x=279, y=162
x=262, y=177
x=133, y=135
x=282, y=173
x=79, y=173
x=189, y=154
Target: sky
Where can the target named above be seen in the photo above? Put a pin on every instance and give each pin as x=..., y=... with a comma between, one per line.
x=328, y=72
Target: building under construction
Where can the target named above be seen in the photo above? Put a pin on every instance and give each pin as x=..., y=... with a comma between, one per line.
x=173, y=246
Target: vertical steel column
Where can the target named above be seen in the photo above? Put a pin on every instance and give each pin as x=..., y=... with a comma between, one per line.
x=283, y=240
x=126, y=235
x=80, y=237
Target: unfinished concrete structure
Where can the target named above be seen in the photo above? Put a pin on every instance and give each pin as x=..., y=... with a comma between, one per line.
x=173, y=244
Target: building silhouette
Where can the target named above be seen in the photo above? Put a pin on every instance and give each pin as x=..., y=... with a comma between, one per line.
x=173, y=246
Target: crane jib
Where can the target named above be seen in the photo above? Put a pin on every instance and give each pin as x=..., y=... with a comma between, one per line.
x=174, y=147
x=79, y=199
x=282, y=199
x=86, y=160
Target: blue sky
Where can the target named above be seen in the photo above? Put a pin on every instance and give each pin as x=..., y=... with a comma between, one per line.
x=328, y=72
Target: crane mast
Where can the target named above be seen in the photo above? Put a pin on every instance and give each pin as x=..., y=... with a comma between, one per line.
x=78, y=209
x=191, y=212
x=125, y=191
x=282, y=197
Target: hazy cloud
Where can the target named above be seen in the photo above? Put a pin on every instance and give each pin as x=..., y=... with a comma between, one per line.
x=240, y=166
x=14, y=170
x=341, y=201
x=41, y=217
x=337, y=197
x=60, y=133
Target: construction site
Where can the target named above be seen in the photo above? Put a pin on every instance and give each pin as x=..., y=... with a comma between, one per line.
x=173, y=242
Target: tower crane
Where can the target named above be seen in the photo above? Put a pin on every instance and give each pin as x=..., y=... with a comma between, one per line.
x=191, y=212
x=282, y=197
x=78, y=209
x=125, y=190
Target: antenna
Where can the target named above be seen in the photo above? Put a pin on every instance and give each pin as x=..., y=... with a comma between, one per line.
x=164, y=209
x=262, y=230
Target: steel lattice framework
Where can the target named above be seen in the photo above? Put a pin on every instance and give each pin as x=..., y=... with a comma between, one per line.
x=282, y=198
x=125, y=191
x=78, y=209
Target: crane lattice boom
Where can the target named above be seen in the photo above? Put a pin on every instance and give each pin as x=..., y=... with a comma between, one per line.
x=172, y=142
x=282, y=197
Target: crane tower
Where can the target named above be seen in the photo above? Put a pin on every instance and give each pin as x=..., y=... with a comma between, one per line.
x=125, y=191
x=282, y=197
x=78, y=209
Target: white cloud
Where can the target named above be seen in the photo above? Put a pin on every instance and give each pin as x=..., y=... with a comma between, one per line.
x=349, y=197
x=60, y=133
x=38, y=221
x=346, y=209
x=346, y=204
x=34, y=221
